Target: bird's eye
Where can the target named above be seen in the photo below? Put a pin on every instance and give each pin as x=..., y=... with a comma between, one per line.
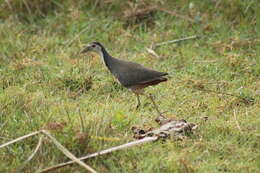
x=93, y=45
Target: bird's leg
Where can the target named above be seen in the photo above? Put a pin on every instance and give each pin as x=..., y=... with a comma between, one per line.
x=138, y=101
x=137, y=92
x=154, y=104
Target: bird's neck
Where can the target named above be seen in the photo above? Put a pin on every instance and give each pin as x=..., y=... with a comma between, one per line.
x=107, y=59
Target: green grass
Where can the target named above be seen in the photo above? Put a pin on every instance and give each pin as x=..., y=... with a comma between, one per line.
x=44, y=83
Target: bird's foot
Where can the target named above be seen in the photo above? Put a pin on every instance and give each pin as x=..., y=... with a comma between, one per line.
x=137, y=106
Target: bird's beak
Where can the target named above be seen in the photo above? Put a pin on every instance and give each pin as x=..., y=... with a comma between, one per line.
x=86, y=49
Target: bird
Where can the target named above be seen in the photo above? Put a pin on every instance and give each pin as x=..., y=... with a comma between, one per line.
x=132, y=76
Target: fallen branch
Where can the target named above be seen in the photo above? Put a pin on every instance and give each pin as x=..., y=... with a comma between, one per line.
x=169, y=128
x=99, y=153
x=60, y=147
x=152, y=48
x=68, y=153
x=174, y=41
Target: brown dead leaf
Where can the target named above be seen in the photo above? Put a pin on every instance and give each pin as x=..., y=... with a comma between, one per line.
x=141, y=12
x=25, y=62
x=234, y=43
x=81, y=136
x=55, y=125
x=197, y=84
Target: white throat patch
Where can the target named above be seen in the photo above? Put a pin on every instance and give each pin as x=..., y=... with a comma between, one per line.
x=102, y=57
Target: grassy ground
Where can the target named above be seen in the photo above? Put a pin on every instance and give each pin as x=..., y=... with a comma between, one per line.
x=46, y=84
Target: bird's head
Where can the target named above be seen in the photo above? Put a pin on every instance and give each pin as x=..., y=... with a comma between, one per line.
x=94, y=46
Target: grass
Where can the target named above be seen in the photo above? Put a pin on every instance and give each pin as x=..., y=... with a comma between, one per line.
x=46, y=84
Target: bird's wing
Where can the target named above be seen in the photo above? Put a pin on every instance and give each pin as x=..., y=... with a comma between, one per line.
x=130, y=74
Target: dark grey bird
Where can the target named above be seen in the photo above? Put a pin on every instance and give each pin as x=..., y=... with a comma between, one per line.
x=133, y=76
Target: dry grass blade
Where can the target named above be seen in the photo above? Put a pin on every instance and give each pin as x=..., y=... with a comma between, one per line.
x=19, y=139
x=8, y=4
x=99, y=153
x=237, y=124
x=69, y=42
x=174, y=13
x=245, y=99
x=81, y=121
x=32, y=155
x=68, y=153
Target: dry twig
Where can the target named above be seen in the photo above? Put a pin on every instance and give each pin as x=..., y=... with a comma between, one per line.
x=170, y=128
x=152, y=48
x=152, y=52
x=68, y=153
x=19, y=139
x=99, y=153
x=32, y=155
x=175, y=41
x=60, y=147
